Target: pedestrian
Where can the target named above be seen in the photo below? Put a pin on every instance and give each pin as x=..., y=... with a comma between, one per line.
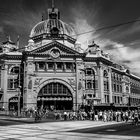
x=126, y=116
x=93, y=115
x=96, y=115
x=136, y=117
x=105, y=116
x=65, y=115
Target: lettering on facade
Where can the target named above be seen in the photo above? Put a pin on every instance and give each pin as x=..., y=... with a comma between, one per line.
x=37, y=81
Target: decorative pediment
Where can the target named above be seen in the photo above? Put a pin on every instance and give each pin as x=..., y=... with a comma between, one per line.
x=54, y=49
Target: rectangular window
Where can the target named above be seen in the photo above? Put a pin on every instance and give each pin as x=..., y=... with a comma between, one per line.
x=12, y=84
x=114, y=87
x=115, y=99
x=106, y=86
x=1, y=97
x=55, y=88
x=41, y=65
x=107, y=98
x=50, y=66
x=15, y=70
x=69, y=66
x=89, y=72
x=59, y=89
x=118, y=100
x=64, y=90
x=59, y=66
x=89, y=84
x=45, y=90
x=50, y=89
x=120, y=88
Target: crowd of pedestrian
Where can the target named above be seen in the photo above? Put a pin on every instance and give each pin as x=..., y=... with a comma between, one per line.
x=94, y=115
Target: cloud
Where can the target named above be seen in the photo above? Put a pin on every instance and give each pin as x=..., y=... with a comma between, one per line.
x=123, y=54
x=125, y=33
x=1, y=29
x=81, y=26
x=119, y=42
x=82, y=23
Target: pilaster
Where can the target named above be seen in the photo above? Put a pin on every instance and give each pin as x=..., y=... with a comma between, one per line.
x=4, y=86
x=110, y=86
x=101, y=83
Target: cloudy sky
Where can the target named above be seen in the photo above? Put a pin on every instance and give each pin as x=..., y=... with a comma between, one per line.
x=17, y=17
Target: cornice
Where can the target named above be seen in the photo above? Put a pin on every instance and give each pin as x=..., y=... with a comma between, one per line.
x=14, y=57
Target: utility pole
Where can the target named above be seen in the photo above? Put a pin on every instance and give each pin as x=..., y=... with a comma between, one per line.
x=19, y=92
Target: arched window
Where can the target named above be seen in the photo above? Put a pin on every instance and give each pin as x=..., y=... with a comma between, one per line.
x=55, y=89
x=89, y=71
x=15, y=70
x=105, y=73
x=89, y=84
x=127, y=89
x=106, y=84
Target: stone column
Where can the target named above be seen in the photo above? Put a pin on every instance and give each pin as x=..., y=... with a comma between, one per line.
x=76, y=93
x=29, y=95
x=4, y=86
x=110, y=86
x=101, y=84
x=124, y=91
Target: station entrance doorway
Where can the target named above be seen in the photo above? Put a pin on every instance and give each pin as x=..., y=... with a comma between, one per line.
x=55, y=96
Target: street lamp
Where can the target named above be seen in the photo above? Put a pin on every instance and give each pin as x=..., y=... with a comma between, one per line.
x=19, y=95
x=129, y=102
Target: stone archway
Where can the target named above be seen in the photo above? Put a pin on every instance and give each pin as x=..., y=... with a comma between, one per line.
x=55, y=94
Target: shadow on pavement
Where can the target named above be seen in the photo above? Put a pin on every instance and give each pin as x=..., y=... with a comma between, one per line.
x=116, y=129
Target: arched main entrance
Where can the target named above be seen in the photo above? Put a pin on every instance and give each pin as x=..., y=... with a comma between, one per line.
x=55, y=95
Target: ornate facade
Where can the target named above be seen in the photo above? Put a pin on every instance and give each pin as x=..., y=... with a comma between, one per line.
x=53, y=71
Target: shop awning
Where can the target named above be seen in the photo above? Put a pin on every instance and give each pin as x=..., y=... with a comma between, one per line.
x=54, y=98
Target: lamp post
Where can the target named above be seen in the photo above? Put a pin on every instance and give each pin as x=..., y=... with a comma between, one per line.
x=129, y=102
x=19, y=95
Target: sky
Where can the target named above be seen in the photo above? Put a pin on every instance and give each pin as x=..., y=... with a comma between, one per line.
x=18, y=17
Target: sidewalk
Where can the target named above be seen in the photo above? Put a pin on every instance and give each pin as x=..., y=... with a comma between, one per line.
x=32, y=120
x=19, y=119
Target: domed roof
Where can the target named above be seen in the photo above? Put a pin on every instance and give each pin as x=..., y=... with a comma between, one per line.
x=47, y=25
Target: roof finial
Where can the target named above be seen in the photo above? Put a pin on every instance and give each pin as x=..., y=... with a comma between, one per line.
x=18, y=42
x=8, y=38
x=52, y=4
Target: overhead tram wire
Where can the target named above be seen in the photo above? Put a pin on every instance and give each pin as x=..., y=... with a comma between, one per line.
x=103, y=28
x=108, y=27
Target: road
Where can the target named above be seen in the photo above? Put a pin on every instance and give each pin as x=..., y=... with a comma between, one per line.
x=8, y=123
x=116, y=129
x=69, y=130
